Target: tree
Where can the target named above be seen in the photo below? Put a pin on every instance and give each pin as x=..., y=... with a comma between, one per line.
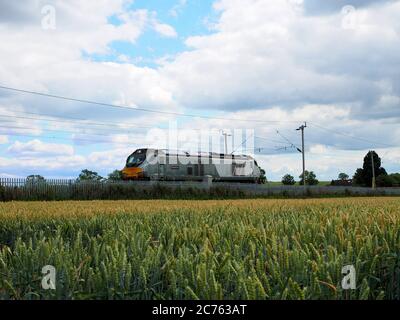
x=396, y=179
x=367, y=167
x=35, y=179
x=263, y=178
x=87, y=175
x=2, y=193
x=385, y=181
x=391, y=180
x=364, y=176
x=116, y=175
x=343, y=176
x=311, y=178
x=288, y=180
x=358, y=178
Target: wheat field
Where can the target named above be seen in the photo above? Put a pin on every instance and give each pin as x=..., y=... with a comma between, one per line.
x=222, y=249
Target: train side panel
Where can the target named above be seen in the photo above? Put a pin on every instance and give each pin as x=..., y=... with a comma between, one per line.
x=195, y=168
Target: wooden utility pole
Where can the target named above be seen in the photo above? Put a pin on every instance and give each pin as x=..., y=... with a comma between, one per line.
x=373, y=170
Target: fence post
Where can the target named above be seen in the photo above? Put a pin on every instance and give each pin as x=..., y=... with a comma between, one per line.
x=207, y=181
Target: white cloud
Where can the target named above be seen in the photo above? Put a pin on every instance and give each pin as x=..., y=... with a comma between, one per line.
x=37, y=147
x=12, y=176
x=3, y=139
x=267, y=53
x=48, y=163
x=56, y=61
x=177, y=9
x=318, y=149
x=165, y=30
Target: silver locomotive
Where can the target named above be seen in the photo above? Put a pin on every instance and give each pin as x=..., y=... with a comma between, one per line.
x=157, y=164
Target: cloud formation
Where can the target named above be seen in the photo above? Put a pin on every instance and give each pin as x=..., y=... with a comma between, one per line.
x=283, y=60
x=39, y=148
x=274, y=55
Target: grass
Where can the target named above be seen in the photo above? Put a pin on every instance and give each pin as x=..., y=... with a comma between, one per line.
x=232, y=249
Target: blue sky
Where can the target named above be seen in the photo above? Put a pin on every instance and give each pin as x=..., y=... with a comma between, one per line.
x=261, y=65
x=188, y=18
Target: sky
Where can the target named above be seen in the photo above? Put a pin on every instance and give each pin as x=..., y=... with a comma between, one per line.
x=255, y=66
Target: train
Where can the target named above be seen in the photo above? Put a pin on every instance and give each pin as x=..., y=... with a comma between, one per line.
x=161, y=164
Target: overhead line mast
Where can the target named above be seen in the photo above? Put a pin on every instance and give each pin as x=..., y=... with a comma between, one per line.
x=301, y=128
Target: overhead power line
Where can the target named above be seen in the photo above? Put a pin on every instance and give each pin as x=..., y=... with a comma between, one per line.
x=59, y=138
x=53, y=130
x=290, y=142
x=351, y=136
x=247, y=139
x=269, y=139
x=82, y=121
x=102, y=104
x=89, y=122
x=74, y=126
x=63, y=119
x=259, y=149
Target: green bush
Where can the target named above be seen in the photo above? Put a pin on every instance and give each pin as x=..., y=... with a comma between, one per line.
x=392, y=180
x=396, y=179
x=2, y=193
x=288, y=180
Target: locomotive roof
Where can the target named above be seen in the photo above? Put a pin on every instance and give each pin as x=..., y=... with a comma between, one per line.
x=201, y=154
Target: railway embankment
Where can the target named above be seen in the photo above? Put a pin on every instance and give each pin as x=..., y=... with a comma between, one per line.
x=56, y=190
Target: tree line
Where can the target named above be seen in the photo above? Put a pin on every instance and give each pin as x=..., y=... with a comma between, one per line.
x=85, y=175
x=363, y=177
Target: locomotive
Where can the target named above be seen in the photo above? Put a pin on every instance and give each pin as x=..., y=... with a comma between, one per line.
x=157, y=164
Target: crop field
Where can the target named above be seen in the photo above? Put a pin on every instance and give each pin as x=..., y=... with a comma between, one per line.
x=225, y=249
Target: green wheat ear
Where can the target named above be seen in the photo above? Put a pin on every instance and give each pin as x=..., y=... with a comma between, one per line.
x=236, y=249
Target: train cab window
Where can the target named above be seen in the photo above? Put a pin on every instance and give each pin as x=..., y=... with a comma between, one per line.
x=135, y=160
x=190, y=171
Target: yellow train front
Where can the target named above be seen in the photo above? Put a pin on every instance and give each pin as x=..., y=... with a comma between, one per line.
x=133, y=169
